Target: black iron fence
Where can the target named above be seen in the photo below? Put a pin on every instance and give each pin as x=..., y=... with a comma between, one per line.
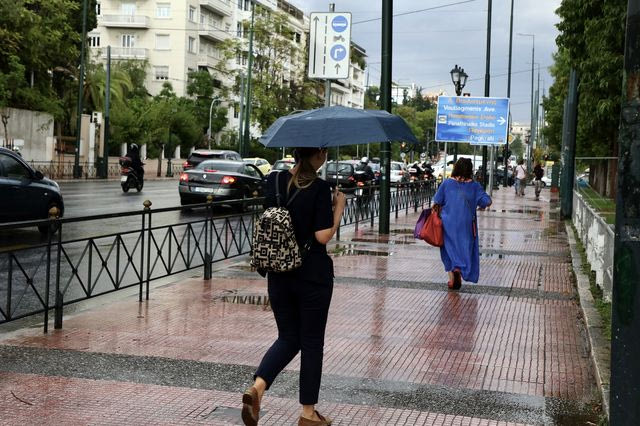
x=64, y=169
x=58, y=272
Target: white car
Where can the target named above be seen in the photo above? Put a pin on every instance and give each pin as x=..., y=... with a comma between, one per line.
x=399, y=172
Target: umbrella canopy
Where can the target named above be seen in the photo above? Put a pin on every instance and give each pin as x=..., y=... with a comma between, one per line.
x=336, y=126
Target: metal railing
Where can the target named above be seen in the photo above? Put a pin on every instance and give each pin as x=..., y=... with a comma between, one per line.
x=138, y=21
x=59, y=272
x=64, y=169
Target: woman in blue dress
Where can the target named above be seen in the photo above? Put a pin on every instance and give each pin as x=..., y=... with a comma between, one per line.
x=457, y=199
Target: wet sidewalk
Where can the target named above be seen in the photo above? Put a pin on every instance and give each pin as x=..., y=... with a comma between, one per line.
x=400, y=348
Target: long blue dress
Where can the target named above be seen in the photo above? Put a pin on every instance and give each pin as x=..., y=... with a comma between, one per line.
x=459, y=201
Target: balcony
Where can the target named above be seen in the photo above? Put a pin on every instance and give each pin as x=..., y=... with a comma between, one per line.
x=209, y=60
x=214, y=32
x=125, y=21
x=221, y=7
x=126, y=53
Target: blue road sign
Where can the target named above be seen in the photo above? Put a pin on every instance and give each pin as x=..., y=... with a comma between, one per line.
x=480, y=121
x=339, y=23
x=338, y=52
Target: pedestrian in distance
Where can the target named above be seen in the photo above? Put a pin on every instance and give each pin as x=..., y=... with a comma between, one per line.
x=538, y=172
x=300, y=298
x=521, y=177
x=457, y=200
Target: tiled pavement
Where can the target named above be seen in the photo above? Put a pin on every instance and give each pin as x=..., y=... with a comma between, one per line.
x=400, y=348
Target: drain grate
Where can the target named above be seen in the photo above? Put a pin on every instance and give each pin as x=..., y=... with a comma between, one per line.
x=243, y=298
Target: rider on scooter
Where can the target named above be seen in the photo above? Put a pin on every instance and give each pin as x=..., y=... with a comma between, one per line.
x=136, y=162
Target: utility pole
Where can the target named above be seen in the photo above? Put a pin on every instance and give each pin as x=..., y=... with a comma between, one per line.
x=506, y=151
x=531, y=139
x=241, y=112
x=247, y=122
x=487, y=80
x=385, y=94
x=569, y=146
x=625, y=312
x=76, y=161
x=107, y=106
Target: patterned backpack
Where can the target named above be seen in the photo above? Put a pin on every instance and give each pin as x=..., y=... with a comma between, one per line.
x=275, y=248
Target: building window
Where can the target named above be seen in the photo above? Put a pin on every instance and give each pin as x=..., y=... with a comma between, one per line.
x=239, y=28
x=161, y=72
x=94, y=40
x=128, y=40
x=128, y=9
x=98, y=11
x=163, y=42
x=236, y=110
x=297, y=37
x=191, y=45
x=163, y=10
x=192, y=14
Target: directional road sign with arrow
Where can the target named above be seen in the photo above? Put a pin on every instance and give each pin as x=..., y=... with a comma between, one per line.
x=329, y=45
x=480, y=121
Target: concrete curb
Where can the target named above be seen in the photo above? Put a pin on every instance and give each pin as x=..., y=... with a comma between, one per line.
x=600, y=346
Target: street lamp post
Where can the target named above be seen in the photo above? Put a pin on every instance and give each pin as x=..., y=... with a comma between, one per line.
x=459, y=79
x=246, y=135
x=533, y=58
x=506, y=151
x=76, y=161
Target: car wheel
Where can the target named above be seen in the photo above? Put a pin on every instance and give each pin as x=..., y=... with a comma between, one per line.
x=44, y=229
x=544, y=184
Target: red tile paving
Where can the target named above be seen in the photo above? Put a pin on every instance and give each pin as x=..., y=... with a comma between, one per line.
x=58, y=400
x=519, y=345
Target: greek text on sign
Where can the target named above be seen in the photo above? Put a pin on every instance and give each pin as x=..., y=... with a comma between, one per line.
x=329, y=44
x=480, y=121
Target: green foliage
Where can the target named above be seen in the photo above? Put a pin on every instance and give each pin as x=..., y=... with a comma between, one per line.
x=95, y=84
x=517, y=147
x=275, y=90
x=201, y=90
x=591, y=40
x=372, y=98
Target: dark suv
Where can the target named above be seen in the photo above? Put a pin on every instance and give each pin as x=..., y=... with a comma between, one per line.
x=199, y=155
x=25, y=194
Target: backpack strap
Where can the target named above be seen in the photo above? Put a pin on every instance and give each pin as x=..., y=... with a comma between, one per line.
x=279, y=196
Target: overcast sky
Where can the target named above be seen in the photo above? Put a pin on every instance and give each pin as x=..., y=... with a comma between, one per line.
x=426, y=45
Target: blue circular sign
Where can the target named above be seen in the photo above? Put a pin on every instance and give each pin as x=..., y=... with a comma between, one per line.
x=339, y=23
x=338, y=52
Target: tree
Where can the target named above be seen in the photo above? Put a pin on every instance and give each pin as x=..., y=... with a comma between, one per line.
x=372, y=98
x=201, y=90
x=95, y=83
x=276, y=89
x=517, y=147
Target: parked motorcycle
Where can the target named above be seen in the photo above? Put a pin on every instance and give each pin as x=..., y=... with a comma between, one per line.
x=129, y=178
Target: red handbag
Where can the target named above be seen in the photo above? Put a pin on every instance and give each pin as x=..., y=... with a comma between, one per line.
x=432, y=230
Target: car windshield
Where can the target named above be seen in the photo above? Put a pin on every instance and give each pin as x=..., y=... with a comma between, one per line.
x=200, y=157
x=343, y=168
x=282, y=165
x=250, y=161
x=396, y=166
x=223, y=166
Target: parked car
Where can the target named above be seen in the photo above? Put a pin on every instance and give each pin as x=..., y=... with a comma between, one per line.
x=343, y=172
x=263, y=165
x=582, y=180
x=200, y=155
x=224, y=180
x=399, y=172
x=284, y=164
x=25, y=193
x=546, y=181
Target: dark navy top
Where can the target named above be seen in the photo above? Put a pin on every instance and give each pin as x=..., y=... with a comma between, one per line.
x=311, y=210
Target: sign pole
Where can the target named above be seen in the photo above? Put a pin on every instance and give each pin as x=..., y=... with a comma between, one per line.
x=327, y=103
x=385, y=94
x=487, y=80
x=625, y=345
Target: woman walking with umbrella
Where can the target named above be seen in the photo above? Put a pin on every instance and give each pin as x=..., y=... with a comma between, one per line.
x=300, y=298
x=457, y=200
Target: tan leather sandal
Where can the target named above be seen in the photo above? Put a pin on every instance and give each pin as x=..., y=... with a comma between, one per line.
x=324, y=421
x=250, y=407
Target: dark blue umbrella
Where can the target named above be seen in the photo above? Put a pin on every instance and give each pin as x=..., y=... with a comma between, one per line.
x=336, y=126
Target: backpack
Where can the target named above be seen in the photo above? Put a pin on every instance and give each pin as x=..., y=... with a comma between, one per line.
x=275, y=248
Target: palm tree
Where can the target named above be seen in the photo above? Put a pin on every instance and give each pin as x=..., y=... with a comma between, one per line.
x=95, y=83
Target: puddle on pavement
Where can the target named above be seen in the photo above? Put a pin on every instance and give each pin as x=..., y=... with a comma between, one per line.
x=243, y=298
x=352, y=250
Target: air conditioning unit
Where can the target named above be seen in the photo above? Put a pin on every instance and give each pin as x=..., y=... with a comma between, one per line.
x=96, y=117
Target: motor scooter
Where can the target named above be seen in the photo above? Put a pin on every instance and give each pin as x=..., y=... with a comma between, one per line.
x=363, y=190
x=128, y=176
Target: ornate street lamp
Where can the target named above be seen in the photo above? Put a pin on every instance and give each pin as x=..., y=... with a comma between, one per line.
x=459, y=79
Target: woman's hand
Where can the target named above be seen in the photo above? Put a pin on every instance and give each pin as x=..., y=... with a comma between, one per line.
x=339, y=201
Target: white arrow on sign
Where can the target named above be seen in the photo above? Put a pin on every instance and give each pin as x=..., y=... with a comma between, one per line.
x=501, y=121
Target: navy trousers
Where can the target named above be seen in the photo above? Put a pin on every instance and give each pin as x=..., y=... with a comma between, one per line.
x=300, y=308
